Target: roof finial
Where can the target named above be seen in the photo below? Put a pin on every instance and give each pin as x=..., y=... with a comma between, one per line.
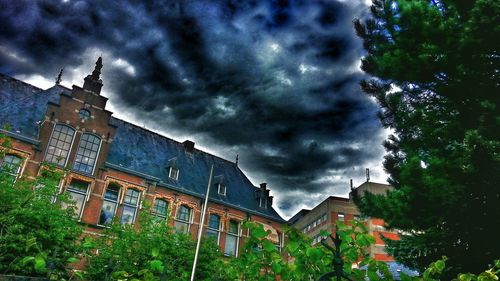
x=237, y=158
x=97, y=70
x=59, y=77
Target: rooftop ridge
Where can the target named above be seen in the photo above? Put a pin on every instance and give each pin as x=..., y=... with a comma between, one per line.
x=171, y=139
x=17, y=80
x=59, y=85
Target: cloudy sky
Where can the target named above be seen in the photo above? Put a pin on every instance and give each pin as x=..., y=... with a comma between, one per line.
x=274, y=81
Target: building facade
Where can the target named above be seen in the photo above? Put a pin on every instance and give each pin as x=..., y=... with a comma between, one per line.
x=114, y=167
x=325, y=216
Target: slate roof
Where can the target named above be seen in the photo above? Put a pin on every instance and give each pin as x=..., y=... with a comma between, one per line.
x=22, y=105
x=142, y=151
x=138, y=151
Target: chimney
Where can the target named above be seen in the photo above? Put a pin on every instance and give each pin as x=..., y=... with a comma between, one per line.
x=270, y=200
x=188, y=146
x=350, y=183
x=367, y=174
x=263, y=186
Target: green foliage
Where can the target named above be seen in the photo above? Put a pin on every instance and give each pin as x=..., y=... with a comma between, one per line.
x=149, y=250
x=436, y=69
x=37, y=236
x=261, y=260
x=300, y=260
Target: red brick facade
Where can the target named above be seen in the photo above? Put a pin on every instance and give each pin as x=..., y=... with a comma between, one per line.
x=98, y=125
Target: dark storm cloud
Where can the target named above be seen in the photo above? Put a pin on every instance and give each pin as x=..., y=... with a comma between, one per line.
x=276, y=81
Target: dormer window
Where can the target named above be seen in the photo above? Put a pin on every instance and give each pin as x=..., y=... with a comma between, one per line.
x=221, y=189
x=173, y=173
x=263, y=202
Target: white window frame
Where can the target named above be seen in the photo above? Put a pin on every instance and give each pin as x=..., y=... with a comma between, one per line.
x=216, y=230
x=15, y=174
x=188, y=222
x=116, y=201
x=236, y=235
x=70, y=146
x=221, y=189
x=70, y=190
x=158, y=215
x=340, y=216
x=135, y=205
x=97, y=152
x=173, y=173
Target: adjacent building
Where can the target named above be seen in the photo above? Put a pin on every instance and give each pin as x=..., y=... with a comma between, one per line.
x=115, y=166
x=325, y=216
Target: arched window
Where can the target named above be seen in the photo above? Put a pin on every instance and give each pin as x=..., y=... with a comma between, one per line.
x=87, y=153
x=183, y=219
x=130, y=205
x=160, y=210
x=232, y=238
x=60, y=144
x=213, y=229
x=11, y=164
x=109, y=204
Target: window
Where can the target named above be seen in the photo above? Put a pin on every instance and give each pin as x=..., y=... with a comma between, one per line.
x=183, y=219
x=341, y=216
x=87, y=153
x=324, y=218
x=109, y=204
x=160, y=210
x=317, y=239
x=279, y=243
x=213, y=227
x=78, y=192
x=11, y=164
x=262, y=202
x=232, y=239
x=60, y=144
x=130, y=204
x=84, y=114
x=173, y=173
x=221, y=189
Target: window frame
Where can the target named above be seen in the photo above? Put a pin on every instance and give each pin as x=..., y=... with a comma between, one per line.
x=222, y=187
x=340, y=216
x=84, y=150
x=217, y=230
x=116, y=202
x=173, y=173
x=86, y=116
x=134, y=206
x=49, y=145
x=179, y=222
x=157, y=215
x=9, y=165
x=69, y=189
x=233, y=235
x=263, y=202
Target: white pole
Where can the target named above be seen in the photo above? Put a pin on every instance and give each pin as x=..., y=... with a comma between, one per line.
x=200, y=228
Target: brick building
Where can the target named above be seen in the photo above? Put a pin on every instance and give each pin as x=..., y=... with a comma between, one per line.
x=115, y=166
x=325, y=215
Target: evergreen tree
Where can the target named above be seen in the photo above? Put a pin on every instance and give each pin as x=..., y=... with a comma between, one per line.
x=436, y=76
